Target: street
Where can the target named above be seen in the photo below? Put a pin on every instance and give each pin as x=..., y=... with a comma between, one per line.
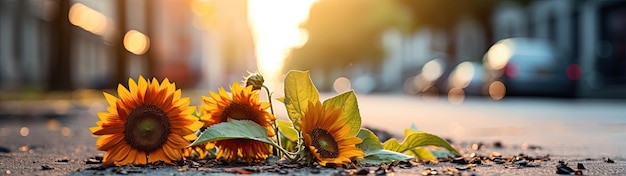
x=565, y=128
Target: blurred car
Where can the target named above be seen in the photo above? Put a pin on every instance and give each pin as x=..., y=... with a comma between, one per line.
x=530, y=67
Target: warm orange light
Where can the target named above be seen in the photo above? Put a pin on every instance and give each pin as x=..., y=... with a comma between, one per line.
x=24, y=131
x=462, y=75
x=88, y=19
x=276, y=30
x=65, y=131
x=201, y=7
x=53, y=124
x=136, y=42
x=430, y=93
x=499, y=54
x=456, y=96
x=497, y=90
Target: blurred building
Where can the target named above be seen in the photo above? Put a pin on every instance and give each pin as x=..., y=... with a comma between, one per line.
x=68, y=44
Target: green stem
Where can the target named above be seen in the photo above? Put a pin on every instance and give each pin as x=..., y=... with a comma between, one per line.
x=287, y=153
x=269, y=98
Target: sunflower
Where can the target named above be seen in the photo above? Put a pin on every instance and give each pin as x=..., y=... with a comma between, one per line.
x=325, y=135
x=244, y=105
x=149, y=122
x=198, y=151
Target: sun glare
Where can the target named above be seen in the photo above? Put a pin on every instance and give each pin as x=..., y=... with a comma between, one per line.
x=275, y=27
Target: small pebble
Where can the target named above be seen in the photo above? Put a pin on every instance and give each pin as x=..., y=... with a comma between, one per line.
x=380, y=171
x=497, y=144
x=608, y=160
x=362, y=172
x=8, y=172
x=315, y=171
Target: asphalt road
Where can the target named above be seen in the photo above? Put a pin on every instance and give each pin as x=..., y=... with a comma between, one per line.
x=54, y=134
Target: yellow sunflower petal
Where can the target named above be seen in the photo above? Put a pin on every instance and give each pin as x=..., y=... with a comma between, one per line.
x=110, y=98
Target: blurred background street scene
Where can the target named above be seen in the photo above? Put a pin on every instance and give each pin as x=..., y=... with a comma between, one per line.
x=426, y=48
x=523, y=68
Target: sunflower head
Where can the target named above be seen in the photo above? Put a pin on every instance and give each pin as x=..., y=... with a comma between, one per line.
x=241, y=104
x=326, y=136
x=149, y=122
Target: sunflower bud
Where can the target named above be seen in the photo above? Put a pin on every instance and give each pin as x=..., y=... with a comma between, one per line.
x=255, y=80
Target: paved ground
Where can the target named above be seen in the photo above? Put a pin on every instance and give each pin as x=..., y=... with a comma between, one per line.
x=55, y=134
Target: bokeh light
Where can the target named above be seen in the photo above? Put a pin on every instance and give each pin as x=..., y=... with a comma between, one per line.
x=53, y=124
x=65, y=131
x=88, y=19
x=497, y=90
x=462, y=75
x=432, y=70
x=456, y=96
x=574, y=72
x=499, y=54
x=341, y=85
x=136, y=42
x=430, y=93
x=512, y=70
x=24, y=131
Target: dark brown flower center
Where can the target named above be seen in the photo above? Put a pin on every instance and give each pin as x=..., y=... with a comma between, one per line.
x=325, y=143
x=146, y=128
x=239, y=111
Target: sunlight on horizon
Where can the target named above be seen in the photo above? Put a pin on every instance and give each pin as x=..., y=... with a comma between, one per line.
x=275, y=29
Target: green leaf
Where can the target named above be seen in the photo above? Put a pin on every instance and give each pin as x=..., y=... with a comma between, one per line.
x=418, y=139
x=384, y=156
x=422, y=153
x=286, y=128
x=299, y=91
x=373, y=149
x=370, y=141
x=234, y=129
x=349, y=110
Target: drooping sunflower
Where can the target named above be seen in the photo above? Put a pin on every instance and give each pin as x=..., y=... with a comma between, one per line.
x=149, y=122
x=326, y=136
x=198, y=151
x=242, y=105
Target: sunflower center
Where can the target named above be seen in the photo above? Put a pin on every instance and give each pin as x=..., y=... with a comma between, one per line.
x=325, y=143
x=239, y=111
x=146, y=128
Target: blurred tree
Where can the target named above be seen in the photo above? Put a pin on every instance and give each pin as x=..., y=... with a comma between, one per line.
x=346, y=31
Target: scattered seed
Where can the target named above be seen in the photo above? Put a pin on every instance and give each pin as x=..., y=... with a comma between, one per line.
x=562, y=168
x=459, y=160
x=580, y=166
x=46, y=167
x=93, y=161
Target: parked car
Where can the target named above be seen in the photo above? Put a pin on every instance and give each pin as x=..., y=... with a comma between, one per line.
x=530, y=67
